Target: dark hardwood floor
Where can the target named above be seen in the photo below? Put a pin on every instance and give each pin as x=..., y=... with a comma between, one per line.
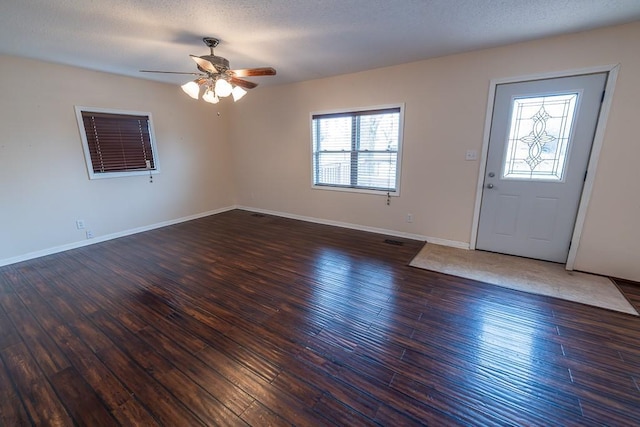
x=244, y=319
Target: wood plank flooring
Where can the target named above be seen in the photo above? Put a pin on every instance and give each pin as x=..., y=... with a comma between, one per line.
x=245, y=319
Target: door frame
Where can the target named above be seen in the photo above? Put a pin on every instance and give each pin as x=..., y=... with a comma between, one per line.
x=598, y=140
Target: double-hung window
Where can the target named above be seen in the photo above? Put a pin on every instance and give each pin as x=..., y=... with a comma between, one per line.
x=358, y=149
x=117, y=143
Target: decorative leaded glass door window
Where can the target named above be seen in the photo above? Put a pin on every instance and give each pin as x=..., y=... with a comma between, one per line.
x=539, y=136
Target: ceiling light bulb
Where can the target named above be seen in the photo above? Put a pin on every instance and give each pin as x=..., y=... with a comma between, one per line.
x=210, y=96
x=223, y=88
x=192, y=89
x=238, y=93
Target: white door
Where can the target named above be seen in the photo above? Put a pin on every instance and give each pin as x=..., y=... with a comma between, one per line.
x=539, y=147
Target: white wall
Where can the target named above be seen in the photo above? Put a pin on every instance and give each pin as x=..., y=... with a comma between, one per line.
x=44, y=185
x=445, y=114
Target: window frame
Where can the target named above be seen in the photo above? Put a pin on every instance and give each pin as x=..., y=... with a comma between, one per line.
x=352, y=112
x=87, y=153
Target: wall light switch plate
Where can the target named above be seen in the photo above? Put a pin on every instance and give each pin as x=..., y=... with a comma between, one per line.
x=80, y=224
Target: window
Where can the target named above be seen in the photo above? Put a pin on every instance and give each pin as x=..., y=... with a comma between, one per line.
x=117, y=143
x=358, y=150
x=539, y=136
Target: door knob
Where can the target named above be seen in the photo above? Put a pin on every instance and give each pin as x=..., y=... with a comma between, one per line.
x=489, y=185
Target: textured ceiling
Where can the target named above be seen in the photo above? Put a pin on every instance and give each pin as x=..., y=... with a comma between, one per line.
x=302, y=39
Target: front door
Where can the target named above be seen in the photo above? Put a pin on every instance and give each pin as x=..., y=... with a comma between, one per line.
x=539, y=147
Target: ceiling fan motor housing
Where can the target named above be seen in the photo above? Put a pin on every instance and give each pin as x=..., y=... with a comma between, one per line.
x=221, y=64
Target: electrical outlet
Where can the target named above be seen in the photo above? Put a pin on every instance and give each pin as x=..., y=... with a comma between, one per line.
x=409, y=217
x=80, y=224
x=89, y=234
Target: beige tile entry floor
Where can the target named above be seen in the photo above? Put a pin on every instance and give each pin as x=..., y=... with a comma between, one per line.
x=523, y=274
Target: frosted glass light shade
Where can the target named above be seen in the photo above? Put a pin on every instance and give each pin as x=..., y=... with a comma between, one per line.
x=223, y=88
x=238, y=93
x=192, y=89
x=210, y=96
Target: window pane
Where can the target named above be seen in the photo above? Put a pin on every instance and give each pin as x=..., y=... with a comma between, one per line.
x=377, y=170
x=539, y=137
x=333, y=169
x=333, y=134
x=379, y=132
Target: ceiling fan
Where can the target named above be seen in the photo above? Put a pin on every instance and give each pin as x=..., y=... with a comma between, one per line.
x=215, y=76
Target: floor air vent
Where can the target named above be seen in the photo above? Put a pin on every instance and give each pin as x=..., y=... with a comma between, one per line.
x=393, y=242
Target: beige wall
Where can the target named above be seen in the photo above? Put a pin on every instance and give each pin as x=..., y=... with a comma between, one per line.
x=257, y=154
x=44, y=186
x=445, y=102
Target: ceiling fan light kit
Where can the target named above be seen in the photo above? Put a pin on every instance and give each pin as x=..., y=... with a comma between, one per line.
x=192, y=89
x=210, y=96
x=238, y=93
x=217, y=79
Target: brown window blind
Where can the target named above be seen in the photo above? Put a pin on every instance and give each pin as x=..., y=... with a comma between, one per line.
x=118, y=142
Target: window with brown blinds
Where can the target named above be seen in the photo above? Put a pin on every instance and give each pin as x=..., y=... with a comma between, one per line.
x=117, y=143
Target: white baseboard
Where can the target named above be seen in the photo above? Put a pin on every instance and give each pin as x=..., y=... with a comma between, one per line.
x=395, y=233
x=98, y=239
x=451, y=243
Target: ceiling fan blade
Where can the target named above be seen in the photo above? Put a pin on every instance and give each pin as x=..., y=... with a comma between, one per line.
x=204, y=65
x=170, y=72
x=242, y=83
x=252, y=72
